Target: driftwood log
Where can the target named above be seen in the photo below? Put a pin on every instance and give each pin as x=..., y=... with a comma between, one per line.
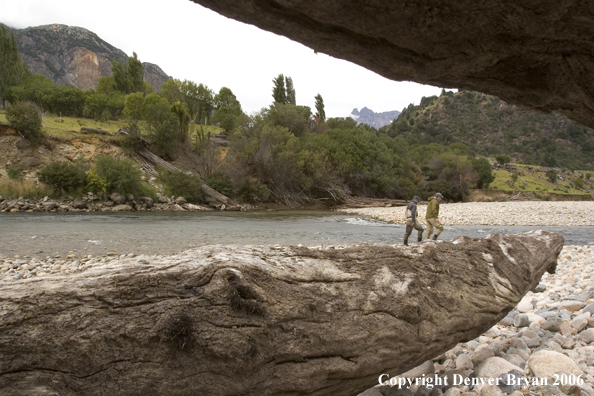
x=260, y=320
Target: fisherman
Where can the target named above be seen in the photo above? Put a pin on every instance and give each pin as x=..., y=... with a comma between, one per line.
x=432, y=217
x=412, y=221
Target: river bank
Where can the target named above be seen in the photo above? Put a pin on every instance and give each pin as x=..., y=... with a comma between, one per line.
x=521, y=213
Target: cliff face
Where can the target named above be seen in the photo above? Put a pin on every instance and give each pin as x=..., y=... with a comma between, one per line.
x=70, y=55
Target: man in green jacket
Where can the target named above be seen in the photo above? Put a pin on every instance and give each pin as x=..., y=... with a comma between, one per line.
x=432, y=217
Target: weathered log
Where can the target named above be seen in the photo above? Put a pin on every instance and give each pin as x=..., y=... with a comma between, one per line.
x=259, y=320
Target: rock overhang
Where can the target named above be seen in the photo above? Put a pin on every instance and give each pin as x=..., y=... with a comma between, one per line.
x=534, y=54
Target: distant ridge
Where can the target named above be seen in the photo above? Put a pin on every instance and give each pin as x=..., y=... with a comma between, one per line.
x=70, y=55
x=376, y=120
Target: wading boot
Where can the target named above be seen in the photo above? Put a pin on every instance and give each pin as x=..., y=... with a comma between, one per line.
x=405, y=242
x=434, y=237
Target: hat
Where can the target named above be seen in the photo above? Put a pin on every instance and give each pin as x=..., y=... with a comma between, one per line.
x=417, y=198
x=439, y=195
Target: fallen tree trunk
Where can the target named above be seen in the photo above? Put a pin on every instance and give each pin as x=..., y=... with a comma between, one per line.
x=260, y=320
x=149, y=157
x=93, y=130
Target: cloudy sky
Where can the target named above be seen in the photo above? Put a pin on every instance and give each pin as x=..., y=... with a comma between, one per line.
x=190, y=42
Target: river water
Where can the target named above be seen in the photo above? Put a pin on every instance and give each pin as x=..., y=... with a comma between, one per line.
x=51, y=234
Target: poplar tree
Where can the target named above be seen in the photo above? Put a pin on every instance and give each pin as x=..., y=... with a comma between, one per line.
x=128, y=78
x=290, y=91
x=279, y=94
x=13, y=71
x=320, y=113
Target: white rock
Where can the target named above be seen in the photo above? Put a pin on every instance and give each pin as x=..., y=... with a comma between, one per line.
x=545, y=363
x=494, y=367
x=525, y=305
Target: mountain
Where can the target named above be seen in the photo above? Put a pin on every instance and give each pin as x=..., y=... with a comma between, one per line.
x=376, y=120
x=489, y=126
x=70, y=55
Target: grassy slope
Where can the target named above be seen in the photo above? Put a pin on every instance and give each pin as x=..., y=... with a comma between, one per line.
x=537, y=181
x=69, y=127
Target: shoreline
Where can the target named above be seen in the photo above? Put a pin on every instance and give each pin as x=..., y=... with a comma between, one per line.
x=519, y=213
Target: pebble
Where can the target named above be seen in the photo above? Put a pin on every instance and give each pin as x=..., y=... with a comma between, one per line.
x=550, y=332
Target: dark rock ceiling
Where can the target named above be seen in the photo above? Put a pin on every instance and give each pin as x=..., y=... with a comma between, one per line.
x=538, y=54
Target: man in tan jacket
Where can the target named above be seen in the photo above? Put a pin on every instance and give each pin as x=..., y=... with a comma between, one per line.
x=432, y=217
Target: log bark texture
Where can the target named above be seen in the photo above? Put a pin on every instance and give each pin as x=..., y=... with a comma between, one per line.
x=260, y=320
x=535, y=54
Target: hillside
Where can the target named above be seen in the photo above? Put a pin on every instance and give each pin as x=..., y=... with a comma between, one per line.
x=371, y=118
x=491, y=126
x=70, y=55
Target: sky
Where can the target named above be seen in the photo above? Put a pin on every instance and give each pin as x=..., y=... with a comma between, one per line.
x=190, y=42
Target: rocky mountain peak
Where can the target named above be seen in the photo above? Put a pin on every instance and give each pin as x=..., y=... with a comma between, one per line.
x=72, y=55
x=371, y=118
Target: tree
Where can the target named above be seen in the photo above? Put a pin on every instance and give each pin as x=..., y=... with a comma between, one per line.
x=13, y=71
x=134, y=106
x=227, y=110
x=279, y=94
x=128, y=78
x=485, y=173
x=161, y=122
x=290, y=91
x=294, y=118
x=120, y=79
x=320, y=113
x=26, y=118
x=180, y=109
x=135, y=74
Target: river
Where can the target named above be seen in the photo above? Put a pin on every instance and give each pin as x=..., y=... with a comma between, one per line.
x=52, y=234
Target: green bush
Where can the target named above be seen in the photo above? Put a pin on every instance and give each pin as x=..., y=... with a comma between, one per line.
x=552, y=175
x=15, y=172
x=182, y=184
x=503, y=158
x=62, y=176
x=220, y=183
x=96, y=184
x=26, y=118
x=253, y=190
x=122, y=175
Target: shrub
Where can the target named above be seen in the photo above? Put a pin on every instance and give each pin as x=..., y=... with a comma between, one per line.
x=182, y=185
x=220, y=183
x=122, y=175
x=96, y=184
x=253, y=190
x=552, y=175
x=62, y=176
x=15, y=172
x=26, y=118
x=503, y=158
